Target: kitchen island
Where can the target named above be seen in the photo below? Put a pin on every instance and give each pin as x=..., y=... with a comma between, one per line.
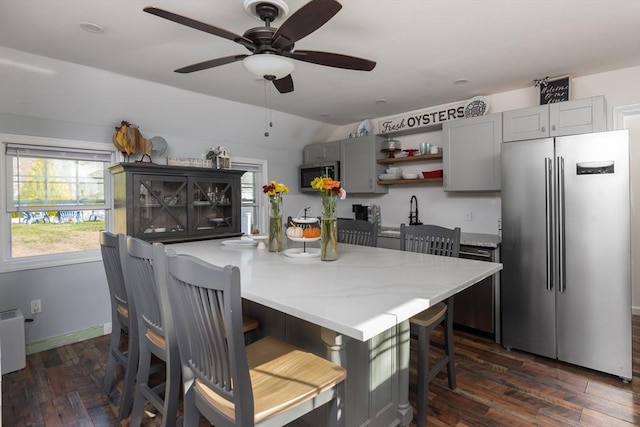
x=355, y=310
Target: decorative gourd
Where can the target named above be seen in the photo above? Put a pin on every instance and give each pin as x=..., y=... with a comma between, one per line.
x=311, y=232
x=294, y=231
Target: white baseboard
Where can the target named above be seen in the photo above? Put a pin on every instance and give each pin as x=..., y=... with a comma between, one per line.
x=70, y=338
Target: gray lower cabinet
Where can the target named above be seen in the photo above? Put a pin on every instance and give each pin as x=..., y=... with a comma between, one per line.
x=359, y=169
x=471, y=153
x=321, y=152
x=557, y=119
x=170, y=203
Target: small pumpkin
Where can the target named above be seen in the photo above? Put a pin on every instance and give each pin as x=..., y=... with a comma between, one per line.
x=294, y=231
x=311, y=232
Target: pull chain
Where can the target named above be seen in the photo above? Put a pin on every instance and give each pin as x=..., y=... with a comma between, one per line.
x=267, y=111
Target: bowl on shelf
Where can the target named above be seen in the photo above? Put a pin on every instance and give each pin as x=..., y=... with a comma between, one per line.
x=387, y=176
x=397, y=172
x=432, y=174
x=409, y=176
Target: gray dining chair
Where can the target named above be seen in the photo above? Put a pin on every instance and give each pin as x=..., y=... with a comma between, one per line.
x=123, y=317
x=357, y=232
x=434, y=240
x=144, y=267
x=267, y=383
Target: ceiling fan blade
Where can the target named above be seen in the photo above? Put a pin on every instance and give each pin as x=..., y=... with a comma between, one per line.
x=332, y=60
x=210, y=64
x=305, y=21
x=285, y=84
x=207, y=28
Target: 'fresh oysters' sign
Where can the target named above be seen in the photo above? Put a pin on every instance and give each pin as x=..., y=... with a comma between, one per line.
x=421, y=118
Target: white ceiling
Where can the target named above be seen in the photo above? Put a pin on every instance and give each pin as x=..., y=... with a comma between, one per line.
x=421, y=47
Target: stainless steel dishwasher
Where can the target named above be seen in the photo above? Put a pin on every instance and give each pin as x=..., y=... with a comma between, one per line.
x=478, y=308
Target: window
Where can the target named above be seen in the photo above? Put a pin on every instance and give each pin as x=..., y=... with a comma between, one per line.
x=253, y=210
x=57, y=198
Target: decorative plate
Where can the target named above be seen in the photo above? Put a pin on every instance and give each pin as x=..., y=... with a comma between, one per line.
x=159, y=145
x=304, y=239
x=305, y=220
x=477, y=106
x=240, y=242
x=302, y=253
x=364, y=128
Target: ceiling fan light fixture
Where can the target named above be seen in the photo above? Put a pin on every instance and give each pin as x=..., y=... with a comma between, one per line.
x=268, y=66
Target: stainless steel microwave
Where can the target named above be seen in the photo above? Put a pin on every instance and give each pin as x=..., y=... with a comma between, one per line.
x=308, y=172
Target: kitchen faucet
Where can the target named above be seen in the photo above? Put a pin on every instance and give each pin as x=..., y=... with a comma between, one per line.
x=413, y=214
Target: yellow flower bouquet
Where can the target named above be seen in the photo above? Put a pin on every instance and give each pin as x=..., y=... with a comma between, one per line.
x=274, y=190
x=330, y=190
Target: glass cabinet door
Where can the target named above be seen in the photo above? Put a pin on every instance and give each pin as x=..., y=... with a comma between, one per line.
x=160, y=206
x=212, y=207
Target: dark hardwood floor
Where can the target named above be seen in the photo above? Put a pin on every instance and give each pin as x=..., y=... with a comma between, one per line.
x=61, y=387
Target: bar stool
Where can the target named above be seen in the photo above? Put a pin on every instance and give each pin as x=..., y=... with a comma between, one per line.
x=434, y=240
x=268, y=383
x=357, y=232
x=123, y=316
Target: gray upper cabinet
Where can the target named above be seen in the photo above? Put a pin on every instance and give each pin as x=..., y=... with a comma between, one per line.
x=321, y=152
x=358, y=168
x=556, y=119
x=471, y=153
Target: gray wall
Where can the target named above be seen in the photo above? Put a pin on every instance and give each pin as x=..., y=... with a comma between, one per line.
x=69, y=101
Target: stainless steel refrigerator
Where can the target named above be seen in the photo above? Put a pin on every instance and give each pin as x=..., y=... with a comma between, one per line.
x=566, y=282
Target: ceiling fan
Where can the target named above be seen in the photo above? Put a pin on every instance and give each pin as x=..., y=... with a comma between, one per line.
x=273, y=48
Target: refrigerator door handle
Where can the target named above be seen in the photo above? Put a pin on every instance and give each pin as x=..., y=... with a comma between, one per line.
x=548, y=179
x=561, y=223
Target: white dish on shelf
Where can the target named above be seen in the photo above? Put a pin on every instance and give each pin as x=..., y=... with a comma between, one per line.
x=409, y=176
x=305, y=220
x=400, y=155
x=240, y=242
x=200, y=203
x=304, y=239
x=387, y=176
x=394, y=171
x=302, y=253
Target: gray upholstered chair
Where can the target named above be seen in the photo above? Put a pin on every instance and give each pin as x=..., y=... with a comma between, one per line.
x=144, y=266
x=434, y=240
x=267, y=383
x=123, y=316
x=357, y=232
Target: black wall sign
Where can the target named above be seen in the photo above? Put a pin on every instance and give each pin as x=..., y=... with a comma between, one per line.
x=554, y=91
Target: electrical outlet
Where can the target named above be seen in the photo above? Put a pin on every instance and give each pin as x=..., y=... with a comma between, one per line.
x=470, y=216
x=36, y=306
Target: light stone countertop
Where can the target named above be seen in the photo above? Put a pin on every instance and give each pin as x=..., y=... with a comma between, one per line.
x=469, y=239
x=362, y=294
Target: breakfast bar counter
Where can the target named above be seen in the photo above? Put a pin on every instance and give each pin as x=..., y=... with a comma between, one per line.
x=354, y=309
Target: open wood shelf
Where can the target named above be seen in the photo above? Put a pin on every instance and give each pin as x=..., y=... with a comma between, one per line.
x=409, y=181
x=410, y=159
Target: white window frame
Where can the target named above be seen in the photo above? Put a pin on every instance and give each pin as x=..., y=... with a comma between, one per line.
x=237, y=163
x=8, y=264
